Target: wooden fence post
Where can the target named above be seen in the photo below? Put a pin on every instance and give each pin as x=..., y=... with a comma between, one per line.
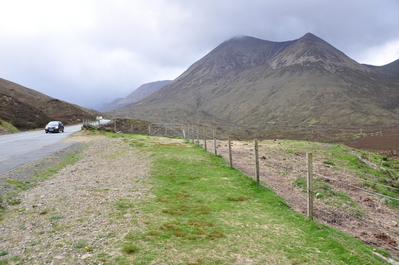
x=149, y=129
x=257, y=162
x=197, y=136
x=214, y=144
x=205, y=140
x=230, y=154
x=309, y=158
x=115, y=125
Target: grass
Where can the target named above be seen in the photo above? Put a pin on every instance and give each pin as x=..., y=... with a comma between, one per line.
x=329, y=196
x=383, y=171
x=7, y=127
x=80, y=244
x=204, y=212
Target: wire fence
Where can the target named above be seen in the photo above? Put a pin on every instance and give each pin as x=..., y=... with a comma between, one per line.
x=345, y=199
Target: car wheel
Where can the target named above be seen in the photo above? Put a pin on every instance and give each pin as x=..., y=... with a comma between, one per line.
x=46, y=132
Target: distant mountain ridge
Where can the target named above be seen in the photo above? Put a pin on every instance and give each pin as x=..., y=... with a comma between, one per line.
x=247, y=81
x=391, y=68
x=136, y=95
x=26, y=108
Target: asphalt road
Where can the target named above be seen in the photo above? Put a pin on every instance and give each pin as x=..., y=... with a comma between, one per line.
x=20, y=148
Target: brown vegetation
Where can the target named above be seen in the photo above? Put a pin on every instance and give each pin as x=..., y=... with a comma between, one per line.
x=384, y=142
x=28, y=109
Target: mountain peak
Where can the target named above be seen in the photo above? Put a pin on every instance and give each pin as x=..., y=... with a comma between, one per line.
x=312, y=51
x=310, y=36
x=244, y=53
x=235, y=54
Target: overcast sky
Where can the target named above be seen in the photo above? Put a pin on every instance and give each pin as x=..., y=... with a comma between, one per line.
x=90, y=52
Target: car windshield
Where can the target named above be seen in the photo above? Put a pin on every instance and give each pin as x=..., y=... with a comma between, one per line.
x=53, y=123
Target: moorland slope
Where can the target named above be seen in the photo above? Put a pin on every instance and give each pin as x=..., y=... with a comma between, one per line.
x=26, y=108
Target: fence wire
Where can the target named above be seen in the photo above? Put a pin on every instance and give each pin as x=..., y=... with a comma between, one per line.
x=279, y=170
x=284, y=172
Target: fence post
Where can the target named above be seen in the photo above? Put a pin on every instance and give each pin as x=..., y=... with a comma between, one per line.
x=205, y=139
x=115, y=125
x=149, y=129
x=309, y=158
x=197, y=136
x=192, y=134
x=230, y=154
x=214, y=144
x=257, y=162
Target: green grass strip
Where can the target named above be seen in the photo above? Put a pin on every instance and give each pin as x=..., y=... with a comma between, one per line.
x=203, y=212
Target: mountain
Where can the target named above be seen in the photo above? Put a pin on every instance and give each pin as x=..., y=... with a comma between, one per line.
x=139, y=93
x=29, y=109
x=111, y=106
x=391, y=68
x=250, y=82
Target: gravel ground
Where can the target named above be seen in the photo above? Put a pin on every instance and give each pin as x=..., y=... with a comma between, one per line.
x=30, y=170
x=67, y=219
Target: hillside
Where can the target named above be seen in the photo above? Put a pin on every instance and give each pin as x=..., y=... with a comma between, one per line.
x=29, y=109
x=136, y=95
x=254, y=83
x=391, y=68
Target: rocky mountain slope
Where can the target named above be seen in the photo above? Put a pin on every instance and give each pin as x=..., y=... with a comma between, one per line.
x=29, y=109
x=139, y=93
x=251, y=82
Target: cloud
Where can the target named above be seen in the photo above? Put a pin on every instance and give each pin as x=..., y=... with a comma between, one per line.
x=92, y=51
x=382, y=54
